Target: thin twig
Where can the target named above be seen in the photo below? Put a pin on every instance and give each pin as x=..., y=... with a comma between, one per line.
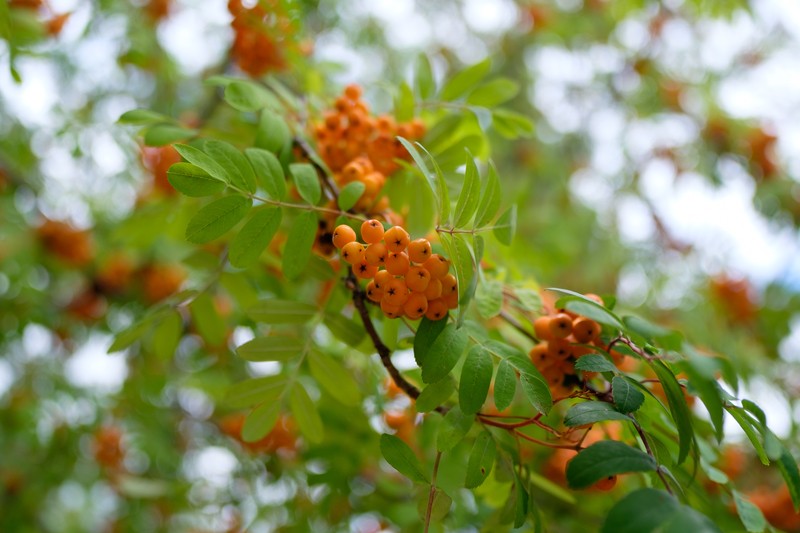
x=432, y=492
x=649, y=451
x=513, y=322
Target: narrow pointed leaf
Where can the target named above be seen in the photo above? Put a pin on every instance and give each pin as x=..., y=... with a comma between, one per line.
x=268, y=171
x=307, y=182
x=240, y=173
x=254, y=236
x=305, y=414
x=481, y=460
x=217, y=218
x=604, y=459
x=399, y=455
x=476, y=376
x=271, y=349
x=297, y=250
x=192, y=180
x=260, y=421
x=470, y=195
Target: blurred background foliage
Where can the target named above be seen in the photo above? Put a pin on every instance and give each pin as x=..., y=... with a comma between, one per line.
x=654, y=155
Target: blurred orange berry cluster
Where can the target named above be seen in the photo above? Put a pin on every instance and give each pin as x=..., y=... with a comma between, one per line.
x=414, y=281
x=261, y=34
x=282, y=437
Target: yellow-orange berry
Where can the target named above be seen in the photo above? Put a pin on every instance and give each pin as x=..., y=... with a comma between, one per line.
x=559, y=349
x=560, y=326
x=373, y=293
x=342, y=235
x=437, y=265
x=363, y=270
x=449, y=285
x=437, y=310
x=375, y=254
x=539, y=356
x=353, y=92
x=434, y=289
x=451, y=300
x=396, y=292
x=396, y=239
x=397, y=264
x=585, y=330
x=417, y=278
x=419, y=250
x=390, y=310
x=371, y=231
x=606, y=483
x=382, y=277
x=541, y=326
x=353, y=252
x=416, y=306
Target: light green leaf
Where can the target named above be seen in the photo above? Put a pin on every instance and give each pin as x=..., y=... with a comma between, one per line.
x=404, y=103
x=350, y=194
x=590, y=412
x=435, y=395
x=481, y=460
x=424, y=82
x=269, y=171
x=447, y=350
x=347, y=330
x=200, y=159
x=440, y=505
x=271, y=349
x=337, y=380
x=297, y=250
x=402, y=458
x=751, y=516
x=490, y=199
x=305, y=414
x=142, y=117
x=511, y=125
x=167, y=335
x=217, y=218
x=192, y=180
x=489, y=298
x=453, y=428
x=506, y=226
x=465, y=80
x=164, y=134
x=207, y=321
x=237, y=167
x=248, y=96
x=273, y=133
x=505, y=385
x=476, y=376
x=260, y=421
x=604, y=459
x=254, y=236
x=307, y=182
x=282, y=312
x=494, y=92
x=254, y=391
x=626, y=397
x=470, y=195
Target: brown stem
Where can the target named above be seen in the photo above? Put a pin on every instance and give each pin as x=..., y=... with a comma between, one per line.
x=432, y=492
x=383, y=351
x=649, y=451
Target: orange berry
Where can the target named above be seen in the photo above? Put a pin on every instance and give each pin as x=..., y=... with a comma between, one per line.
x=342, y=235
x=449, y=285
x=416, y=306
x=396, y=239
x=559, y=349
x=373, y=293
x=541, y=326
x=595, y=298
x=364, y=270
x=539, y=356
x=353, y=252
x=585, y=330
x=606, y=483
x=353, y=91
x=382, y=277
x=352, y=171
x=560, y=326
x=419, y=250
x=437, y=310
x=451, y=300
x=437, y=265
x=375, y=254
x=397, y=264
x=395, y=292
x=434, y=289
x=417, y=278
x=390, y=310
x=372, y=231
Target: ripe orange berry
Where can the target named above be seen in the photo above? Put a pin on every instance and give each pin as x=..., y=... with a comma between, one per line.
x=342, y=235
x=396, y=239
x=382, y=277
x=434, y=289
x=419, y=250
x=353, y=91
x=364, y=270
x=595, y=298
x=373, y=293
x=417, y=278
x=396, y=292
x=559, y=349
x=353, y=252
x=375, y=254
x=606, y=483
x=437, y=310
x=560, y=326
x=585, y=330
x=416, y=306
x=541, y=326
x=437, y=265
x=397, y=264
x=449, y=285
x=451, y=300
x=390, y=310
x=371, y=231
x=539, y=356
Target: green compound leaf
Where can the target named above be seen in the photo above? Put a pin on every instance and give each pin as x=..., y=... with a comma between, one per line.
x=604, y=459
x=193, y=181
x=254, y=236
x=217, y=218
x=591, y=412
x=402, y=458
x=297, y=250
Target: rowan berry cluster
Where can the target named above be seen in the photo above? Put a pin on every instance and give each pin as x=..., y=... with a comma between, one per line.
x=257, y=43
x=349, y=132
x=564, y=338
x=69, y=244
x=405, y=277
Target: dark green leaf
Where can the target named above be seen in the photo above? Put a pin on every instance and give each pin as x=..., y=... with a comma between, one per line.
x=200, y=159
x=305, y=414
x=470, y=195
x=591, y=412
x=445, y=353
x=453, y=428
x=269, y=172
x=297, y=250
x=476, y=376
x=595, y=363
x=481, y=460
x=427, y=332
x=746, y=423
x=494, y=92
x=687, y=519
x=282, y=312
x=604, y=459
x=307, y=182
x=465, y=80
x=271, y=349
x=490, y=199
x=521, y=503
x=217, y=218
x=347, y=330
x=641, y=511
x=708, y=391
x=788, y=467
x=626, y=397
x=505, y=385
x=164, y=134
x=255, y=236
x=440, y=505
x=399, y=455
x=435, y=395
x=337, y=380
x=193, y=181
x=260, y=421
x=537, y=391
x=677, y=407
x=254, y=391
x=350, y=194
x=237, y=167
